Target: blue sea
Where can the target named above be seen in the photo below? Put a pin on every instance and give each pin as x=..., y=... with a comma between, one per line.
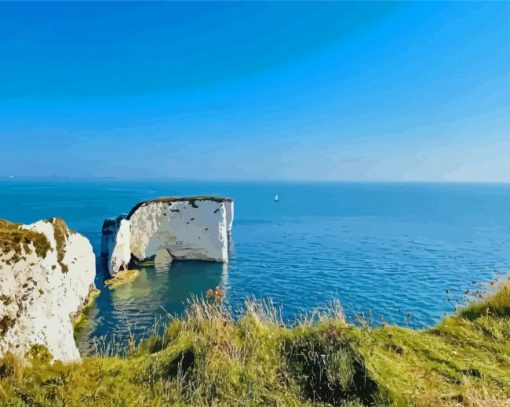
x=404, y=253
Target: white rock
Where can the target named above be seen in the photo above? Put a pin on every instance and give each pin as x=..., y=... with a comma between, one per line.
x=42, y=293
x=229, y=213
x=116, y=243
x=195, y=228
x=163, y=258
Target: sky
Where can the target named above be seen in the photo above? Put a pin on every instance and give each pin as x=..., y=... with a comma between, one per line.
x=256, y=91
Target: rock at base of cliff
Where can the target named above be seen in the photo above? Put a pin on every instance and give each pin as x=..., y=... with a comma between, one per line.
x=121, y=278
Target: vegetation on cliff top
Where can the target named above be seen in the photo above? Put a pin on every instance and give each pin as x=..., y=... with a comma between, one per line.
x=61, y=233
x=209, y=358
x=171, y=199
x=19, y=241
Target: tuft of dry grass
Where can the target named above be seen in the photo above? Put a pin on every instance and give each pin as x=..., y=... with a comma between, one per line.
x=495, y=303
x=476, y=395
x=208, y=357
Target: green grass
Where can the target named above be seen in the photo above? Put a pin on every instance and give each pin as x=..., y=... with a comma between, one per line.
x=209, y=358
x=80, y=319
x=18, y=242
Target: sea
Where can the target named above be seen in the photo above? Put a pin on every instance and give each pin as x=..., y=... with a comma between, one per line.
x=400, y=253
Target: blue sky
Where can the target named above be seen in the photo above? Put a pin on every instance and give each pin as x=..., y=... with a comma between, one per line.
x=256, y=91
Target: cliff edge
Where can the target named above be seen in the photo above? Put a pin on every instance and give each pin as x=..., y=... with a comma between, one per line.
x=46, y=276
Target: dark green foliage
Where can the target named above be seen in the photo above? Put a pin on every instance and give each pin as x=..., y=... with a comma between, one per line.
x=6, y=323
x=328, y=369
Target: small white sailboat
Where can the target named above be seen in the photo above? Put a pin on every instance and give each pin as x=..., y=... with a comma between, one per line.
x=276, y=199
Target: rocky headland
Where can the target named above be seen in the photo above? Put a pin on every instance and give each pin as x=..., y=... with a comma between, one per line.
x=46, y=276
x=166, y=229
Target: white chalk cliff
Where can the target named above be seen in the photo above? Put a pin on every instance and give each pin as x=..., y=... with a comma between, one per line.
x=116, y=243
x=46, y=276
x=194, y=228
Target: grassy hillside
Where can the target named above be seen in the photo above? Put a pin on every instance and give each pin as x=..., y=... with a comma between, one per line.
x=208, y=358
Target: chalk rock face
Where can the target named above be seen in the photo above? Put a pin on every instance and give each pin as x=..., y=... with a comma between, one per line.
x=195, y=228
x=163, y=258
x=116, y=243
x=229, y=213
x=46, y=276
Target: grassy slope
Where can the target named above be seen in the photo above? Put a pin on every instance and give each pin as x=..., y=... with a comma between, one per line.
x=207, y=358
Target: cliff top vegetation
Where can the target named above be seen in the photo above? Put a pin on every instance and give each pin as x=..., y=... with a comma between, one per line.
x=171, y=199
x=208, y=357
x=20, y=241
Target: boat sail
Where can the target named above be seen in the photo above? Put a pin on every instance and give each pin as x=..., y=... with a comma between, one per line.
x=276, y=199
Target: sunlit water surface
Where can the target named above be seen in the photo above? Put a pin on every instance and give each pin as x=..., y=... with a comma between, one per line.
x=384, y=249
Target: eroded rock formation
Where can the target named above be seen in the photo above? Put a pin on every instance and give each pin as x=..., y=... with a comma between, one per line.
x=194, y=228
x=46, y=276
x=116, y=243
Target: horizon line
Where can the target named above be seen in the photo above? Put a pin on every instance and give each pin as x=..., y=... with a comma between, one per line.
x=250, y=180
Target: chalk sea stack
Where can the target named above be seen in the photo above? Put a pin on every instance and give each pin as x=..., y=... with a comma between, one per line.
x=186, y=228
x=46, y=276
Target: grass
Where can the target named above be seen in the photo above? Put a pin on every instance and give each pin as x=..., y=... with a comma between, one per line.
x=20, y=242
x=209, y=358
x=61, y=236
x=122, y=277
x=80, y=319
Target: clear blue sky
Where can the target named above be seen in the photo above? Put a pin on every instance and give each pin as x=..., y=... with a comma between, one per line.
x=316, y=91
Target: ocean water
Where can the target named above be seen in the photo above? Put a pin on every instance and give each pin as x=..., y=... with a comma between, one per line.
x=398, y=252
